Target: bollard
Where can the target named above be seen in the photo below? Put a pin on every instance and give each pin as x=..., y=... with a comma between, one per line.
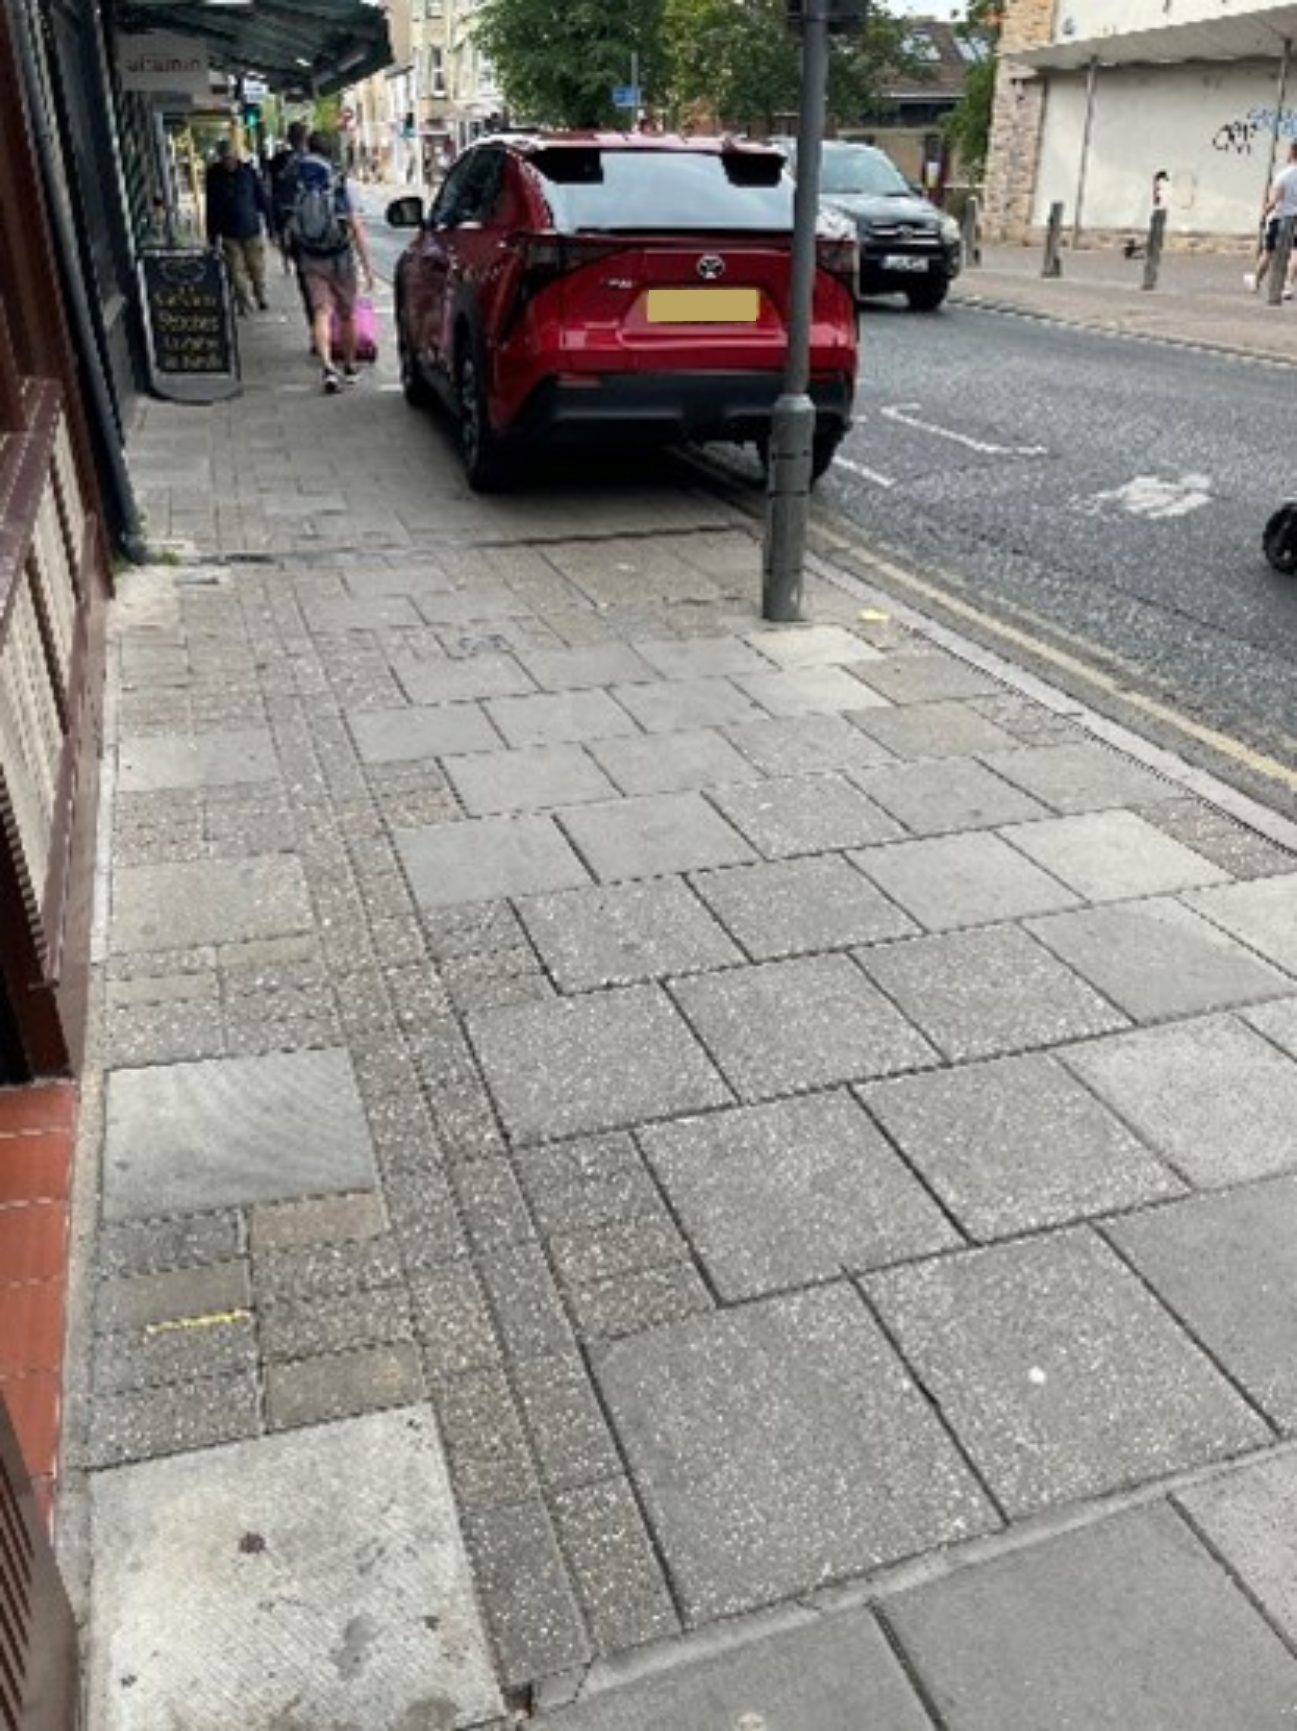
x=1053, y=265
x=970, y=225
x=1153, y=251
x=1280, y=259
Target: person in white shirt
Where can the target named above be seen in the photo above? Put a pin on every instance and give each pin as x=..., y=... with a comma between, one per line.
x=1281, y=201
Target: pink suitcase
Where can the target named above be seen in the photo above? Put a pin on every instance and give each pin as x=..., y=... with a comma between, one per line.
x=366, y=321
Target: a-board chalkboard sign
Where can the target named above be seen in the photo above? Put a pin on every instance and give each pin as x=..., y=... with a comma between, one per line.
x=193, y=350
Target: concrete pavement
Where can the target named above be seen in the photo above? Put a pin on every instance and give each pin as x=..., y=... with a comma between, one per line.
x=646, y=1168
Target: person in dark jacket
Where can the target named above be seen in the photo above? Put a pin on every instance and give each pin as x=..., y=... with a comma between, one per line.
x=237, y=210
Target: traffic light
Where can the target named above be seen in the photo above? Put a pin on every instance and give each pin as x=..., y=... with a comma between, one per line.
x=252, y=116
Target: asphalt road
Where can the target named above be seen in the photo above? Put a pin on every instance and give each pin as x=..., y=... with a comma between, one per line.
x=1102, y=496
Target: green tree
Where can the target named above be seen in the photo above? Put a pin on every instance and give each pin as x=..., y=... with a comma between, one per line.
x=740, y=59
x=968, y=127
x=557, y=61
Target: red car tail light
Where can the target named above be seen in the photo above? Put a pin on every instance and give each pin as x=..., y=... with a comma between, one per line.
x=544, y=258
x=840, y=259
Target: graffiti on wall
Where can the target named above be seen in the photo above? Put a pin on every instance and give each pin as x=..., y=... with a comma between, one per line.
x=1236, y=137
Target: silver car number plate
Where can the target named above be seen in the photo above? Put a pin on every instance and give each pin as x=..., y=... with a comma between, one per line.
x=904, y=261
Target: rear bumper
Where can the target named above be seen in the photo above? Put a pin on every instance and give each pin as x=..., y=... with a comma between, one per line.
x=670, y=408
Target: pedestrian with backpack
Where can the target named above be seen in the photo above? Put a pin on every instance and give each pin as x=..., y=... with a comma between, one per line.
x=331, y=248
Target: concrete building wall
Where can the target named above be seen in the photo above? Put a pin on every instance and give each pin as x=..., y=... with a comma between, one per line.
x=1212, y=128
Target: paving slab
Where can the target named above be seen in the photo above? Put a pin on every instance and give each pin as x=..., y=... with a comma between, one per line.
x=1227, y=1266
x=240, y=1584
x=619, y=933
x=443, y=679
x=672, y=762
x=653, y=835
x=672, y=705
x=833, y=1674
x=533, y=779
x=1249, y=1516
x=791, y=907
x=1277, y=1021
x=1123, y=1625
x=232, y=1131
x=196, y=760
x=1059, y=1372
x=807, y=645
x=784, y=816
x=775, y=1197
x=1261, y=914
x=943, y=795
x=797, y=744
x=559, y=717
x=484, y=859
x=1212, y=1096
x=1017, y=1144
x=809, y=691
x=419, y=731
x=1113, y=855
x=586, y=666
x=962, y=880
x=1086, y=776
x=928, y=676
x=577, y=1065
x=807, y=1023
x=701, y=657
x=781, y=1446
x=1156, y=959
x=990, y=992
x=183, y=905
x=934, y=730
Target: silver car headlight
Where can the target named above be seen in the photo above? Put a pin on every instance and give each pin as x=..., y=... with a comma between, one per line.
x=949, y=230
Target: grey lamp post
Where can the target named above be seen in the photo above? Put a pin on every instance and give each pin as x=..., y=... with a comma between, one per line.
x=792, y=426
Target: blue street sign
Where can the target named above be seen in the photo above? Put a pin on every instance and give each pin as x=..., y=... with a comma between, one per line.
x=625, y=96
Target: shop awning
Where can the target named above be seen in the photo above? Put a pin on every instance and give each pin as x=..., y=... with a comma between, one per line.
x=300, y=47
x=1255, y=35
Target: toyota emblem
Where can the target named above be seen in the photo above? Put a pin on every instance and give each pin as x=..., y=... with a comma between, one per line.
x=710, y=267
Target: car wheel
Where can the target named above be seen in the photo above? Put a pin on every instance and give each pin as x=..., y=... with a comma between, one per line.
x=413, y=384
x=926, y=297
x=1280, y=540
x=484, y=464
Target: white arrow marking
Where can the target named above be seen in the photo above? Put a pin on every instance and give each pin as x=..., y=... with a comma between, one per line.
x=904, y=413
x=1149, y=496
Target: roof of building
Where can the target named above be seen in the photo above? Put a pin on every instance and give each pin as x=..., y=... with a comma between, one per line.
x=945, y=56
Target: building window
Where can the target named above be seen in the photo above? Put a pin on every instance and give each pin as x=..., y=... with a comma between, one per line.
x=921, y=46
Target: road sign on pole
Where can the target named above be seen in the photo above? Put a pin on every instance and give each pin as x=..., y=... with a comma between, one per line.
x=625, y=96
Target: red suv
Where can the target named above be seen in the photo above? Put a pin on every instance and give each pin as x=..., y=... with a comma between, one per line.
x=571, y=287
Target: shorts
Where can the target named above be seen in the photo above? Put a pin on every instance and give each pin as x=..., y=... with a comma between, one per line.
x=329, y=284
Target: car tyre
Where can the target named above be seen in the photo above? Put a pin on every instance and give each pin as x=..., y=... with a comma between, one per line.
x=1280, y=540
x=926, y=297
x=414, y=386
x=485, y=467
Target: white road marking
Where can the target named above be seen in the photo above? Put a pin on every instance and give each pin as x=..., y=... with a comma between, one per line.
x=904, y=413
x=1150, y=496
x=865, y=474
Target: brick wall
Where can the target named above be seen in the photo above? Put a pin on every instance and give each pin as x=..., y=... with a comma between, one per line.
x=1016, y=121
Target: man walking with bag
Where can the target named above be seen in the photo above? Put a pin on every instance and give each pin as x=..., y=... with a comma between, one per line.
x=330, y=244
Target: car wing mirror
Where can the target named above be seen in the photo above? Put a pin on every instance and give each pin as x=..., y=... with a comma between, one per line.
x=405, y=212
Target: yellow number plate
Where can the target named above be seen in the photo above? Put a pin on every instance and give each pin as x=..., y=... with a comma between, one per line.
x=704, y=306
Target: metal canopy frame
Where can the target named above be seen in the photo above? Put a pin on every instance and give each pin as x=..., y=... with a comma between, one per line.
x=1255, y=35
x=300, y=47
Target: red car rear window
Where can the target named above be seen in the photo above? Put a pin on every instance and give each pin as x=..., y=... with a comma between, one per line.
x=637, y=191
